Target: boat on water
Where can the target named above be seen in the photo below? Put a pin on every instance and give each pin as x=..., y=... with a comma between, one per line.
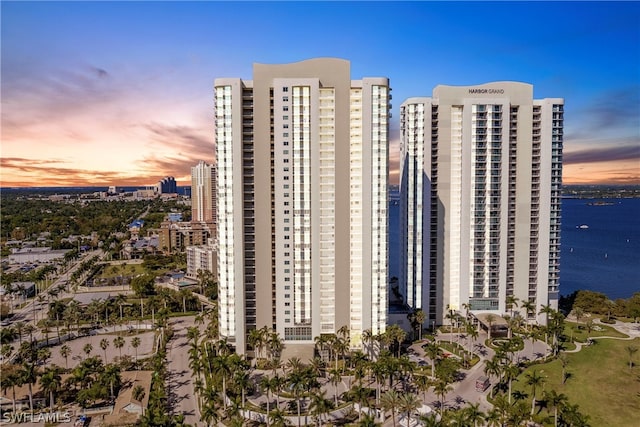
x=582, y=226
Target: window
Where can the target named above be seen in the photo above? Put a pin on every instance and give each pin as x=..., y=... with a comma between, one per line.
x=285, y=117
x=285, y=126
x=286, y=195
x=286, y=238
x=285, y=108
x=285, y=134
x=285, y=143
x=287, y=295
x=287, y=304
x=285, y=89
x=285, y=99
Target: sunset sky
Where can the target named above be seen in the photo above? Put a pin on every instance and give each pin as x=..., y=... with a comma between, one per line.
x=121, y=93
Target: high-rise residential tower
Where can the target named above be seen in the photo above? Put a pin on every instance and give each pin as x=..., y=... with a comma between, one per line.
x=481, y=171
x=302, y=155
x=203, y=193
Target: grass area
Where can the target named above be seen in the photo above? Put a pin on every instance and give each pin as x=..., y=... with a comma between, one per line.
x=111, y=271
x=579, y=331
x=600, y=382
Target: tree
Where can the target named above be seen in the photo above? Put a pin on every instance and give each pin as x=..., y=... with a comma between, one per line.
x=88, y=348
x=441, y=389
x=118, y=342
x=29, y=375
x=104, y=344
x=556, y=401
x=50, y=381
x=335, y=378
x=390, y=401
x=631, y=350
x=535, y=380
x=135, y=343
x=138, y=393
x=491, y=319
x=111, y=377
x=433, y=352
x=408, y=404
x=320, y=405
x=474, y=414
x=277, y=418
x=511, y=302
x=143, y=285
x=65, y=351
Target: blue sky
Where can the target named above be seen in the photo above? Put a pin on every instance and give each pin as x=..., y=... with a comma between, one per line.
x=121, y=92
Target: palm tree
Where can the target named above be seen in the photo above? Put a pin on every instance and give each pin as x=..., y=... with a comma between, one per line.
x=118, y=342
x=474, y=414
x=135, y=343
x=556, y=401
x=297, y=383
x=422, y=383
x=529, y=308
x=511, y=301
x=433, y=352
x=534, y=379
x=441, y=389
x=104, y=343
x=268, y=386
x=335, y=378
x=88, y=348
x=50, y=381
x=631, y=350
x=111, y=377
x=29, y=375
x=511, y=372
x=65, y=351
x=221, y=367
x=320, y=405
x=13, y=380
x=408, y=404
x=278, y=419
x=491, y=319
x=390, y=401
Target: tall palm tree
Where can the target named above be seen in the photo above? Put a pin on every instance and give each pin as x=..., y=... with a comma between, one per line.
x=422, y=383
x=118, y=342
x=268, y=386
x=277, y=418
x=111, y=377
x=491, y=319
x=320, y=405
x=335, y=378
x=390, y=401
x=104, y=343
x=441, y=389
x=474, y=414
x=135, y=343
x=433, y=352
x=556, y=401
x=88, y=348
x=511, y=301
x=297, y=383
x=408, y=404
x=529, y=308
x=29, y=375
x=65, y=351
x=535, y=380
x=511, y=372
x=222, y=368
x=51, y=382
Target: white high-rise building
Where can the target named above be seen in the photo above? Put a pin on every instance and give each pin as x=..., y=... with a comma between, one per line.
x=302, y=155
x=481, y=171
x=203, y=192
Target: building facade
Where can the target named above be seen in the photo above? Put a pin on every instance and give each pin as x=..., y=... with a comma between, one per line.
x=203, y=193
x=302, y=156
x=481, y=171
x=203, y=257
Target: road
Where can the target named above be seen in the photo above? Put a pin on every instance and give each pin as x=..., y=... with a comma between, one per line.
x=180, y=389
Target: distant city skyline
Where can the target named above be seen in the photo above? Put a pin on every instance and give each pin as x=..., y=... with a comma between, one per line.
x=120, y=93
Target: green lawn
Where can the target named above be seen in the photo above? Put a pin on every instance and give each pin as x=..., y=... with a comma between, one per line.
x=579, y=332
x=110, y=271
x=600, y=382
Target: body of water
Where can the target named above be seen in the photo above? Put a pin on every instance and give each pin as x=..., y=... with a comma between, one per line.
x=605, y=257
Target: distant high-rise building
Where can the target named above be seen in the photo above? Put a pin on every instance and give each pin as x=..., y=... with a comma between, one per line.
x=481, y=171
x=302, y=156
x=203, y=192
x=167, y=185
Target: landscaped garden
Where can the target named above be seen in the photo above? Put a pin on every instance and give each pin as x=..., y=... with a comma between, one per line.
x=598, y=379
